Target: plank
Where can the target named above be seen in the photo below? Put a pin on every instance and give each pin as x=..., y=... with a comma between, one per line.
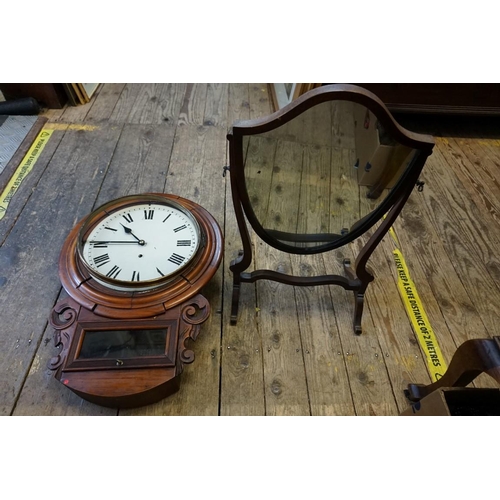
x=278, y=324
x=369, y=381
x=470, y=219
x=283, y=207
x=423, y=245
x=284, y=371
x=105, y=102
x=444, y=290
x=64, y=194
x=140, y=163
x=198, y=153
x=344, y=192
x=157, y=103
x=25, y=190
x=125, y=103
x=242, y=371
x=193, y=107
x=238, y=103
x=314, y=198
x=259, y=171
x=443, y=207
x=242, y=383
x=77, y=114
x=327, y=379
x=260, y=102
x=216, y=108
x=476, y=171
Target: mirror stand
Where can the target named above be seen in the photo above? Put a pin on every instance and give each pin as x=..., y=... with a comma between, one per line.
x=316, y=175
x=357, y=278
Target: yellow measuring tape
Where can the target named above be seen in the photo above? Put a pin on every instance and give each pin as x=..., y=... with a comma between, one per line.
x=416, y=312
x=23, y=169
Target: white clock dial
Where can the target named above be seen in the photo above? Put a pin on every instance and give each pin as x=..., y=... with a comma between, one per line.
x=144, y=243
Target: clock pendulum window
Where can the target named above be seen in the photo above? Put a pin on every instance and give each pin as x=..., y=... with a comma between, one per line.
x=133, y=270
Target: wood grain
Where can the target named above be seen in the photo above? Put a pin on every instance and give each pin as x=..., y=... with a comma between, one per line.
x=31, y=280
x=216, y=108
x=105, y=102
x=442, y=205
x=198, y=154
x=28, y=186
x=125, y=103
x=242, y=372
x=192, y=110
x=140, y=163
x=238, y=103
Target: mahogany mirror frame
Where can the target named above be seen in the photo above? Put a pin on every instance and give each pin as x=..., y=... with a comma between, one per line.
x=357, y=277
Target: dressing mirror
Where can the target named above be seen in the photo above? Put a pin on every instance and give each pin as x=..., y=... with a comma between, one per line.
x=316, y=175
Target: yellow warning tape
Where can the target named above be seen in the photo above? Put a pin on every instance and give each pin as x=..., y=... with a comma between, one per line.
x=71, y=126
x=23, y=169
x=418, y=317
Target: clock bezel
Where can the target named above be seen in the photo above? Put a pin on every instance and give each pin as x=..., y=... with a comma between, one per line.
x=82, y=286
x=104, y=211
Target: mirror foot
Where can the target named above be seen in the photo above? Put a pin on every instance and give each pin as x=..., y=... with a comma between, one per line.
x=235, y=304
x=359, y=300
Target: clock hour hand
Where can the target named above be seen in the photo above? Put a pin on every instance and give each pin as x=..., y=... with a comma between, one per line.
x=129, y=231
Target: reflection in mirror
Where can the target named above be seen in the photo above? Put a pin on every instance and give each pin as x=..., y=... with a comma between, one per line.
x=318, y=176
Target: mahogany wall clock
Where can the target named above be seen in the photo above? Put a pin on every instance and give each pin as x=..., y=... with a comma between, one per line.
x=133, y=270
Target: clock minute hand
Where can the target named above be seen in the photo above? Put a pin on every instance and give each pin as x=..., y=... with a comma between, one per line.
x=129, y=231
x=121, y=242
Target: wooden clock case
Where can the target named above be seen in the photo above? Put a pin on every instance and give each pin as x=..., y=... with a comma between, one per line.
x=175, y=309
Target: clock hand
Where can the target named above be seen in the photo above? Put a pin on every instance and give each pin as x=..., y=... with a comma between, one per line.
x=129, y=231
x=123, y=242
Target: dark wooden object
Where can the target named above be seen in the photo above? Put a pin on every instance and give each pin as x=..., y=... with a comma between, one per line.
x=51, y=95
x=176, y=307
x=359, y=276
x=455, y=98
x=471, y=359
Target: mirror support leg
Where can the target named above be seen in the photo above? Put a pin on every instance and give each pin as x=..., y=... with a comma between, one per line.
x=359, y=293
x=471, y=359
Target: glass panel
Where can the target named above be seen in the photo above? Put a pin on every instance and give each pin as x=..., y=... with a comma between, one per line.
x=123, y=344
x=316, y=177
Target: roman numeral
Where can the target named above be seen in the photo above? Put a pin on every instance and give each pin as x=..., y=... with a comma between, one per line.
x=166, y=217
x=128, y=218
x=183, y=243
x=110, y=229
x=100, y=245
x=135, y=276
x=177, y=259
x=160, y=272
x=148, y=214
x=100, y=260
x=180, y=228
x=114, y=272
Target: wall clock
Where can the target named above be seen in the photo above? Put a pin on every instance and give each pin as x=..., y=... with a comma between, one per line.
x=133, y=270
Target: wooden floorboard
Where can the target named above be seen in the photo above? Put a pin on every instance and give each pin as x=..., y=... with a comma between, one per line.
x=293, y=350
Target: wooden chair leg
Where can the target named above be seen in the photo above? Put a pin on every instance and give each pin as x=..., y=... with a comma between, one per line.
x=471, y=359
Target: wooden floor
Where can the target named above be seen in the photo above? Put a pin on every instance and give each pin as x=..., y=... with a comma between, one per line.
x=293, y=351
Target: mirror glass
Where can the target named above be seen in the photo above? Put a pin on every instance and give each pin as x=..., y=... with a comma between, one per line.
x=318, y=176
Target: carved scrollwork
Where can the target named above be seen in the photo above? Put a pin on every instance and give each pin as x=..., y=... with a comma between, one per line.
x=193, y=314
x=63, y=315
x=62, y=340
x=196, y=311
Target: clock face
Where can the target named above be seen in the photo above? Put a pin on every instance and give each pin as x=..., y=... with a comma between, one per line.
x=140, y=246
